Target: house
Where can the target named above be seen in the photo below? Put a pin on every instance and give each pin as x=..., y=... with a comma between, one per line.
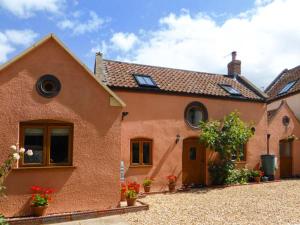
x=283, y=116
x=159, y=129
x=51, y=103
x=80, y=129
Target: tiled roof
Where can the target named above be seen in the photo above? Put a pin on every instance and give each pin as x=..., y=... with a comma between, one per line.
x=281, y=81
x=120, y=75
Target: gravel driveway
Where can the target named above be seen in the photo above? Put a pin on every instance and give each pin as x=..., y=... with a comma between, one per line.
x=268, y=203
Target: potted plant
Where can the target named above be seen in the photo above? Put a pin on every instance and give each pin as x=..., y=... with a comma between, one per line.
x=147, y=184
x=131, y=197
x=134, y=186
x=40, y=200
x=123, y=191
x=172, y=182
x=257, y=174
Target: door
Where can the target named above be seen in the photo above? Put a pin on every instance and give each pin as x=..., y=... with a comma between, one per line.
x=193, y=162
x=286, y=159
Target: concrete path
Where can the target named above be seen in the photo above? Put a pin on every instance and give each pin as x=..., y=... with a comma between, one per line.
x=108, y=220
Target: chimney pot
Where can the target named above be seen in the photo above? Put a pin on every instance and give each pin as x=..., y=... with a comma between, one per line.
x=234, y=67
x=233, y=54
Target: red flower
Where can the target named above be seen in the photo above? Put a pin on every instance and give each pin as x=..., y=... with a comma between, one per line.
x=36, y=188
x=172, y=178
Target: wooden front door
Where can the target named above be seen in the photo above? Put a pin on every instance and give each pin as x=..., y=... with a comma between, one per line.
x=286, y=158
x=193, y=162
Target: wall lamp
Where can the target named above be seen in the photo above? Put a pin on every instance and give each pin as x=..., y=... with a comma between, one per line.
x=177, y=138
x=124, y=114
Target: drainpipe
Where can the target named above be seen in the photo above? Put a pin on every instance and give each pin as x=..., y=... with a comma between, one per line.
x=268, y=144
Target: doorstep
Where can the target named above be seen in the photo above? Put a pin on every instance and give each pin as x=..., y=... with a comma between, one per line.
x=73, y=216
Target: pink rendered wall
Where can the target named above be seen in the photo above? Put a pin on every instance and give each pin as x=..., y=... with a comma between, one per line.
x=278, y=132
x=93, y=183
x=161, y=117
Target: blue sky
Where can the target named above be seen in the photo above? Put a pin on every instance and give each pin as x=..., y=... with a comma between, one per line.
x=189, y=34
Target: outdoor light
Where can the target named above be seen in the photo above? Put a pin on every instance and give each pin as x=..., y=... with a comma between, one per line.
x=124, y=114
x=177, y=138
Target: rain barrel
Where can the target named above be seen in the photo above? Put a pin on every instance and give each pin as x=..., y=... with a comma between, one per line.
x=268, y=165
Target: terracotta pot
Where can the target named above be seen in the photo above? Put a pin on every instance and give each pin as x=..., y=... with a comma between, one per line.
x=147, y=189
x=257, y=179
x=39, y=210
x=131, y=201
x=123, y=196
x=172, y=187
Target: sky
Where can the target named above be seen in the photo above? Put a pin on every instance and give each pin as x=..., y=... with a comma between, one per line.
x=188, y=34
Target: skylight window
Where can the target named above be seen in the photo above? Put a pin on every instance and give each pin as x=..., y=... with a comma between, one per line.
x=144, y=80
x=230, y=89
x=287, y=87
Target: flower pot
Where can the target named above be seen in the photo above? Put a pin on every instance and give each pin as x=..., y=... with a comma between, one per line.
x=147, y=189
x=123, y=196
x=39, y=210
x=257, y=179
x=131, y=201
x=172, y=187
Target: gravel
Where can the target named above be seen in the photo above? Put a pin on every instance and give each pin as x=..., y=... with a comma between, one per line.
x=268, y=203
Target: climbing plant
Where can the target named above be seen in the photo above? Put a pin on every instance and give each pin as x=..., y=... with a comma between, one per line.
x=225, y=137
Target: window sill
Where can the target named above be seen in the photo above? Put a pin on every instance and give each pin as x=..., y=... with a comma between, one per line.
x=140, y=166
x=44, y=167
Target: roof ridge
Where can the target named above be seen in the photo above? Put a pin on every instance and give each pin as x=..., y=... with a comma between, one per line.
x=162, y=67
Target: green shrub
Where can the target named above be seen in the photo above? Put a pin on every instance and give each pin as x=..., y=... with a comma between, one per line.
x=2, y=220
x=238, y=176
x=147, y=182
x=220, y=171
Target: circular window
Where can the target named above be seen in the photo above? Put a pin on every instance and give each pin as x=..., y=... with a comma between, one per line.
x=48, y=86
x=285, y=120
x=194, y=113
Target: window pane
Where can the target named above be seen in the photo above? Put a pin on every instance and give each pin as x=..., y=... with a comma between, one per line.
x=146, y=153
x=141, y=80
x=195, y=115
x=193, y=153
x=59, y=145
x=135, y=152
x=148, y=81
x=33, y=139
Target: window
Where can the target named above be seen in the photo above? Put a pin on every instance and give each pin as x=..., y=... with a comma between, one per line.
x=144, y=80
x=230, y=89
x=51, y=144
x=193, y=153
x=141, y=152
x=287, y=87
x=240, y=154
x=194, y=113
x=48, y=86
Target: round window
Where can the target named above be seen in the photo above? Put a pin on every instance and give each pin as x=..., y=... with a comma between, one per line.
x=194, y=113
x=48, y=86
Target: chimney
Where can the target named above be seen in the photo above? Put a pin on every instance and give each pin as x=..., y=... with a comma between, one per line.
x=234, y=67
x=99, y=69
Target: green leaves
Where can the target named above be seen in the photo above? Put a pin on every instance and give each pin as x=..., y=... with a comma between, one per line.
x=2, y=220
x=39, y=200
x=227, y=136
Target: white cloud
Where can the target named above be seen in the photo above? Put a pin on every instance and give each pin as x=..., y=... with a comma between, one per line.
x=266, y=38
x=27, y=8
x=11, y=39
x=124, y=41
x=79, y=27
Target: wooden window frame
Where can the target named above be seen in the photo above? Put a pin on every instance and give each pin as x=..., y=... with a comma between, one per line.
x=140, y=141
x=47, y=127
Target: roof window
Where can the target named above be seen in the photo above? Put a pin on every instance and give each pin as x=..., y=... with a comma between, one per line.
x=144, y=80
x=287, y=87
x=230, y=89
